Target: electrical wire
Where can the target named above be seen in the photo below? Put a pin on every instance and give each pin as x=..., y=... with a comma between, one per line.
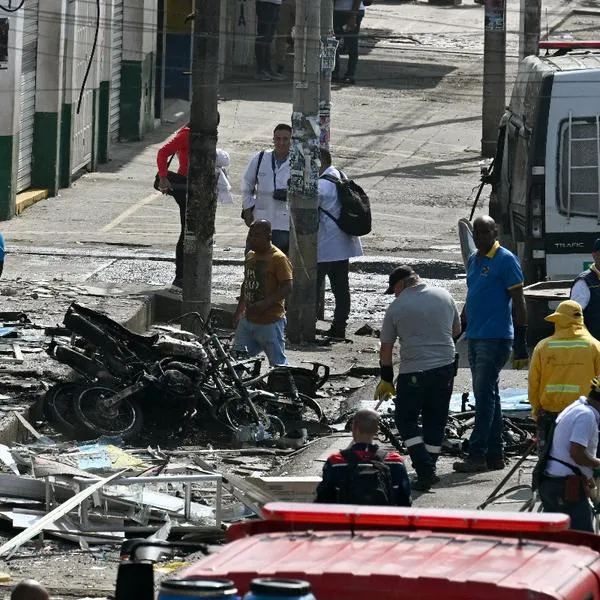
x=10, y=9
x=91, y=59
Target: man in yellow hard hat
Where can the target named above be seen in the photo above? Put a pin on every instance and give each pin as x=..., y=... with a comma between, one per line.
x=561, y=367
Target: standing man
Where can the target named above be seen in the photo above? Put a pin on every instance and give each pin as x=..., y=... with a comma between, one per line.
x=586, y=291
x=260, y=314
x=264, y=187
x=561, y=367
x=494, y=298
x=362, y=474
x=572, y=460
x=287, y=19
x=267, y=17
x=334, y=247
x=426, y=321
x=347, y=17
x=175, y=184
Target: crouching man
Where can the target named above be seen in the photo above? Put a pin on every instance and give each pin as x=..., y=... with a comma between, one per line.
x=571, y=460
x=362, y=474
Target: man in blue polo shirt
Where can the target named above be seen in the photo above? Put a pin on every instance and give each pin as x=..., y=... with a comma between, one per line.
x=494, y=298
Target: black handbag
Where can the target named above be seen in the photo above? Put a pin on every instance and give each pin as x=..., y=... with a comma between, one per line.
x=176, y=180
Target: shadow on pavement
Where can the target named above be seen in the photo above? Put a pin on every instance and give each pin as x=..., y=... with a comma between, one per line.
x=429, y=170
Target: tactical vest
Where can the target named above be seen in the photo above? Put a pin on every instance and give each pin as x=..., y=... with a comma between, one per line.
x=591, y=313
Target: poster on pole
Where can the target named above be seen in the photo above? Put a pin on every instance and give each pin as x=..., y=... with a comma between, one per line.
x=3, y=44
x=495, y=15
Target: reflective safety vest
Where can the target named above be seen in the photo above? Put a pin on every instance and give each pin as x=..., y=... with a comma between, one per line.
x=561, y=369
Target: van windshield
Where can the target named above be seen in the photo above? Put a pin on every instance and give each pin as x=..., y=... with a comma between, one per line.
x=579, y=166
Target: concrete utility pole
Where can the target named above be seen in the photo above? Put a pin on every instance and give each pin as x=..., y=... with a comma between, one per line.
x=494, y=73
x=202, y=181
x=531, y=16
x=304, y=180
x=329, y=45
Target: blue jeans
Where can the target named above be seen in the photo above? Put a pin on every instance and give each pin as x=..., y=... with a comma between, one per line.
x=486, y=359
x=269, y=338
x=552, y=493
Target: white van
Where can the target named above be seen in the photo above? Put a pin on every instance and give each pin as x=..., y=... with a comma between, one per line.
x=546, y=174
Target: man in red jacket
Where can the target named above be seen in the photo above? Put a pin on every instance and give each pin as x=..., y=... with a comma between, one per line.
x=349, y=473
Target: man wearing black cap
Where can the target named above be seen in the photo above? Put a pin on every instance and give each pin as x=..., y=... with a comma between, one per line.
x=586, y=291
x=426, y=321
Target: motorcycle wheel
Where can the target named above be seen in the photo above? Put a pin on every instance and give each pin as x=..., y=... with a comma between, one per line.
x=60, y=413
x=124, y=420
x=235, y=414
x=299, y=410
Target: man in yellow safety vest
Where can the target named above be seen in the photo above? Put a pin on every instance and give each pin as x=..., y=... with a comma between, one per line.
x=561, y=367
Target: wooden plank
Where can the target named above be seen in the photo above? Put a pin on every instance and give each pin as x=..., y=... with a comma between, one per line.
x=27, y=425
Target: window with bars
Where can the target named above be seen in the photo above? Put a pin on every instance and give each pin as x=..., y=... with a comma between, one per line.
x=579, y=167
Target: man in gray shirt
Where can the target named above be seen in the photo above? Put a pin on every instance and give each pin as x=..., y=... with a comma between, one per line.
x=426, y=321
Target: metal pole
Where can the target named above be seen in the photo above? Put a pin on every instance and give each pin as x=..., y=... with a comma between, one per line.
x=202, y=181
x=304, y=180
x=494, y=73
x=529, y=38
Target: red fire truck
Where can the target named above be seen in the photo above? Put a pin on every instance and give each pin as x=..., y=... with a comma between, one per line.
x=384, y=553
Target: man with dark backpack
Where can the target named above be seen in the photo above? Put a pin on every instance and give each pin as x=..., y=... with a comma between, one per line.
x=362, y=474
x=335, y=246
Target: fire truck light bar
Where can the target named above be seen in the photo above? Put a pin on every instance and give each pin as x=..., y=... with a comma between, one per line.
x=568, y=45
x=423, y=518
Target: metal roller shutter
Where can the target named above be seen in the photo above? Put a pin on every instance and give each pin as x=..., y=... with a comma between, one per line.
x=27, y=115
x=84, y=15
x=115, y=75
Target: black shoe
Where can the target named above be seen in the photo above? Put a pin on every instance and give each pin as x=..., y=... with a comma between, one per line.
x=495, y=463
x=348, y=80
x=471, y=465
x=423, y=484
x=336, y=331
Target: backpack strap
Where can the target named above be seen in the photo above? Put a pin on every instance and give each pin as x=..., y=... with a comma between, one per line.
x=332, y=179
x=350, y=456
x=260, y=157
x=573, y=468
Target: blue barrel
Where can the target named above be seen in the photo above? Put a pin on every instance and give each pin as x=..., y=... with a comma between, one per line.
x=268, y=588
x=207, y=589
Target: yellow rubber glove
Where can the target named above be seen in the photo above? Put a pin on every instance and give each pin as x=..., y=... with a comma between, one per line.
x=384, y=390
x=520, y=363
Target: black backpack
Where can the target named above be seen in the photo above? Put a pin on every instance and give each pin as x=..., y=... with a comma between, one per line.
x=366, y=481
x=355, y=214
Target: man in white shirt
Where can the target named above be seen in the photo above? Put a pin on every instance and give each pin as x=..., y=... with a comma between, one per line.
x=264, y=188
x=267, y=18
x=586, y=291
x=572, y=460
x=334, y=248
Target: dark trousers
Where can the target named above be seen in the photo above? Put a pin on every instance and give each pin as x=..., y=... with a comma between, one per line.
x=349, y=39
x=180, y=196
x=337, y=272
x=543, y=425
x=552, y=493
x=424, y=394
x=267, y=17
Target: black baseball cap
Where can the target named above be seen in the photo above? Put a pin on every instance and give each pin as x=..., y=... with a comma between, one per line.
x=398, y=274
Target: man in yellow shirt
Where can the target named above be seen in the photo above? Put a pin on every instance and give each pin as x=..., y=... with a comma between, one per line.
x=260, y=314
x=561, y=367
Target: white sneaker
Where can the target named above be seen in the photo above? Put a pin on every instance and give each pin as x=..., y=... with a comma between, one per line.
x=263, y=76
x=277, y=76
